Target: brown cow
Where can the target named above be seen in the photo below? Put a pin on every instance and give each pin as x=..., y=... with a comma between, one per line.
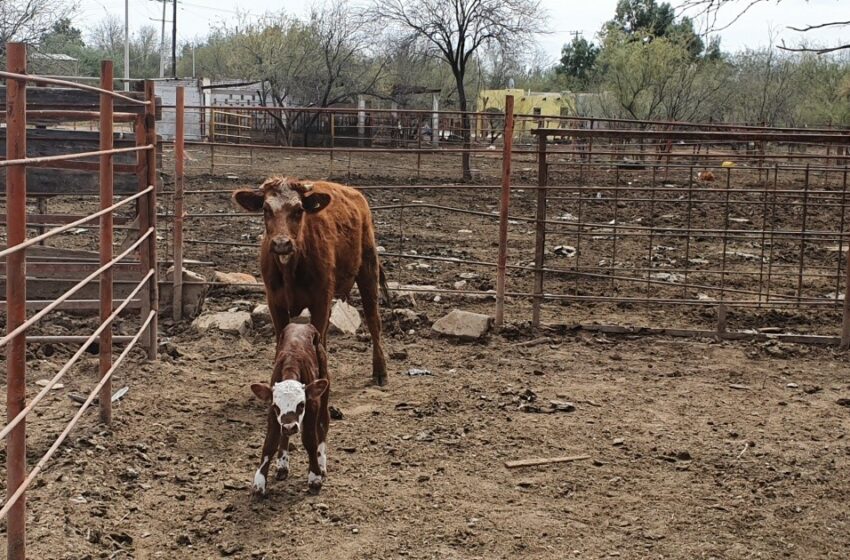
x=319, y=240
x=298, y=402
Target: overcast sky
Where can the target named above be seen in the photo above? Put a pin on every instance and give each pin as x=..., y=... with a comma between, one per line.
x=194, y=18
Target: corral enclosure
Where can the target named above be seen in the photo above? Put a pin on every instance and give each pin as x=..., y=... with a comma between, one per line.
x=697, y=445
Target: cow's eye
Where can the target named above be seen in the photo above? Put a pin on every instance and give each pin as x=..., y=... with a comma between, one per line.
x=297, y=213
x=300, y=408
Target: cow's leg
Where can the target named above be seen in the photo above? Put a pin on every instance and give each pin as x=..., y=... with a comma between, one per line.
x=310, y=440
x=280, y=317
x=283, y=458
x=320, y=316
x=367, y=283
x=269, y=447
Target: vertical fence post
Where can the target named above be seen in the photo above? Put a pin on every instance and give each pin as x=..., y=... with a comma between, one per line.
x=540, y=235
x=503, y=209
x=16, y=295
x=179, y=162
x=106, y=234
x=845, y=323
x=149, y=246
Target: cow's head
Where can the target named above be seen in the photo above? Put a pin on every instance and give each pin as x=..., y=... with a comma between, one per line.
x=288, y=399
x=283, y=202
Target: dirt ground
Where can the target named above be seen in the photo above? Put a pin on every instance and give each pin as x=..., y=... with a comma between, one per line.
x=696, y=448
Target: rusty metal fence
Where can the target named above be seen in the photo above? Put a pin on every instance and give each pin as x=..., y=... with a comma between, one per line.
x=624, y=213
x=14, y=343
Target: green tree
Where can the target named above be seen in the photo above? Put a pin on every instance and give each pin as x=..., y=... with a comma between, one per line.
x=578, y=61
x=646, y=20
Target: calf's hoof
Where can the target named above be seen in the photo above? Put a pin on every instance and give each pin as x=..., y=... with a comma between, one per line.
x=379, y=379
x=258, y=489
x=315, y=481
x=282, y=474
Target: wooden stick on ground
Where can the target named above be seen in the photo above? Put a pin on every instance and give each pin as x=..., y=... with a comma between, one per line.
x=548, y=461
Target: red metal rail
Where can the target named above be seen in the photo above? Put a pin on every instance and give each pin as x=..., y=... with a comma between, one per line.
x=17, y=325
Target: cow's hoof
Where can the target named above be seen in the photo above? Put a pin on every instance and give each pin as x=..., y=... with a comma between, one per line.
x=282, y=474
x=257, y=494
x=380, y=380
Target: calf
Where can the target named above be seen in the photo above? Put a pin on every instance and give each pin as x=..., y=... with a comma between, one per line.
x=319, y=240
x=298, y=403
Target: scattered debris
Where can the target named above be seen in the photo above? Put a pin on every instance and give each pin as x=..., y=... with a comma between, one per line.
x=545, y=461
x=843, y=402
x=565, y=251
x=739, y=387
x=418, y=372
x=336, y=414
x=618, y=442
x=44, y=382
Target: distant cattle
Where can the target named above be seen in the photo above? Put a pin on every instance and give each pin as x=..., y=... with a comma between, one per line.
x=319, y=241
x=298, y=403
x=706, y=176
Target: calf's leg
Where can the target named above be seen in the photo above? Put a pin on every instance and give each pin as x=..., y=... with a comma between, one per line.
x=310, y=440
x=283, y=458
x=269, y=447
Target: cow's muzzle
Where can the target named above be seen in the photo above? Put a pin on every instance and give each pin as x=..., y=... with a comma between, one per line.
x=283, y=247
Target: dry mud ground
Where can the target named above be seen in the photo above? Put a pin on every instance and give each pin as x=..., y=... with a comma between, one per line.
x=682, y=464
x=697, y=449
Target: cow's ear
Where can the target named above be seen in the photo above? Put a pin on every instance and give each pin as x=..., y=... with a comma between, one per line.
x=263, y=392
x=316, y=389
x=250, y=199
x=315, y=202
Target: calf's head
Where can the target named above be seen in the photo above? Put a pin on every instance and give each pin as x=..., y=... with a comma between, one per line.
x=288, y=399
x=284, y=202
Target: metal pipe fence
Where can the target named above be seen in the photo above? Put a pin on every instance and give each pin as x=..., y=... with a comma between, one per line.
x=626, y=203
x=18, y=479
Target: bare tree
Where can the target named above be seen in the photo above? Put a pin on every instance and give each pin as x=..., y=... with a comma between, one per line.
x=28, y=20
x=454, y=30
x=711, y=9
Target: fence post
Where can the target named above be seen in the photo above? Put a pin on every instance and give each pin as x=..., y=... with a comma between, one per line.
x=540, y=235
x=435, y=120
x=179, y=154
x=149, y=246
x=16, y=295
x=106, y=234
x=845, y=323
x=361, y=120
x=503, y=209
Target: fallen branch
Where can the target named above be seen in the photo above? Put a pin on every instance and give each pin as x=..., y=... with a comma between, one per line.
x=545, y=461
x=535, y=342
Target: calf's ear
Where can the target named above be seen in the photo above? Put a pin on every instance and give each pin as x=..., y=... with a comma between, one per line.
x=315, y=202
x=263, y=392
x=249, y=199
x=316, y=389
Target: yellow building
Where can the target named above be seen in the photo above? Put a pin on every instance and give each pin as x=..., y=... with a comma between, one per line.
x=529, y=104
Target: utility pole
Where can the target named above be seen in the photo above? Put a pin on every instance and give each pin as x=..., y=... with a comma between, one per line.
x=126, y=45
x=162, y=44
x=174, y=41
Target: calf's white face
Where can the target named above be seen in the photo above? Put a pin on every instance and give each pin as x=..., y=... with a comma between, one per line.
x=288, y=399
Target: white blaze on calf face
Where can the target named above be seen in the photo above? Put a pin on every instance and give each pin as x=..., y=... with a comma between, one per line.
x=289, y=398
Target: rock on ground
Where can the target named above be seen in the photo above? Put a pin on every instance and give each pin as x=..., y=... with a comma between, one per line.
x=463, y=325
x=261, y=315
x=233, y=278
x=194, y=293
x=344, y=318
x=235, y=322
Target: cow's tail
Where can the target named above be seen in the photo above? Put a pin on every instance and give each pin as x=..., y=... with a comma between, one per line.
x=382, y=279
